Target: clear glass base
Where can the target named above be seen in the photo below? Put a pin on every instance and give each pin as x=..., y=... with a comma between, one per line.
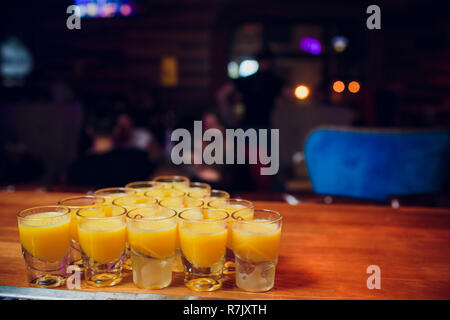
x=255, y=277
x=45, y=274
x=203, y=279
x=48, y=281
x=151, y=273
x=102, y=274
x=104, y=279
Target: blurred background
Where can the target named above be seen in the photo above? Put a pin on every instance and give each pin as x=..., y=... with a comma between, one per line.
x=95, y=107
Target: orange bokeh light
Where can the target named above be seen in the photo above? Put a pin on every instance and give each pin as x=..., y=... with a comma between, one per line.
x=338, y=86
x=301, y=92
x=354, y=86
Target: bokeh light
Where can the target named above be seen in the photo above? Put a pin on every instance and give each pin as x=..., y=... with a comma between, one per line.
x=301, y=92
x=339, y=43
x=248, y=67
x=91, y=9
x=126, y=9
x=338, y=86
x=354, y=86
x=310, y=45
x=233, y=70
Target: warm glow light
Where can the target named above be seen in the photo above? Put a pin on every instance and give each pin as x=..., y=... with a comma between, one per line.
x=339, y=43
x=354, y=86
x=338, y=86
x=302, y=92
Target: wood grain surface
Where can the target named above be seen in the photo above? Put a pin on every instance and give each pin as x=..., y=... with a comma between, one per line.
x=324, y=252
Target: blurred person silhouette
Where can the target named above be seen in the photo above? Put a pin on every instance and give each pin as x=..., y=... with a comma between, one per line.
x=258, y=93
x=149, y=130
x=112, y=160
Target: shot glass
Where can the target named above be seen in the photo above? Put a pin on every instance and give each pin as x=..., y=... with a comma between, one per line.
x=45, y=238
x=172, y=182
x=255, y=245
x=74, y=204
x=230, y=206
x=142, y=186
x=102, y=235
x=214, y=194
x=196, y=206
x=203, y=245
x=110, y=194
x=198, y=190
x=152, y=236
x=161, y=193
x=130, y=202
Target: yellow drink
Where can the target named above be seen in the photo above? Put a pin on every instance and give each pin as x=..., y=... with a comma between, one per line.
x=46, y=236
x=152, y=242
x=141, y=187
x=255, y=245
x=163, y=193
x=256, y=242
x=203, y=244
x=102, y=233
x=76, y=203
x=134, y=201
x=195, y=210
x=172, y=182
x=153, y=238
x=110, y=194
x=231, y=206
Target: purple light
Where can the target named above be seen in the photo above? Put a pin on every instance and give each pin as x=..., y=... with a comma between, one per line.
x=310, y=45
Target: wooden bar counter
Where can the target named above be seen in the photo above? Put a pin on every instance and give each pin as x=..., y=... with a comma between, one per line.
x=324, y=253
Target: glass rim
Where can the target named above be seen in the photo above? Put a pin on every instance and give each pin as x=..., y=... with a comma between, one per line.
x=252, y=206
x=193, y=184
x=193, y=199
x=183, y=194
x=99, y=191
x=132, y=184
x=100, y=207
x=151, y=218
x=57, y=207
x=60, y=202
x=154, y=200
x=279, y=218
x=202, y=220
x=171, y=178
x=221, y=191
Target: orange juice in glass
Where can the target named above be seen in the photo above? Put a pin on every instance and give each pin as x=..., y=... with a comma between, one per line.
x=172, y=182
x=102, y=234
x=130, y=202
x=198, y=190
x=142, y=186
x=203, y=246
x=152, y=240
x=110, y=194
x=230, y=206
x=163, y=193
x=177, y=204
x=74, y=204
x=45, y=238
x=213, y=194
x=255, y=245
